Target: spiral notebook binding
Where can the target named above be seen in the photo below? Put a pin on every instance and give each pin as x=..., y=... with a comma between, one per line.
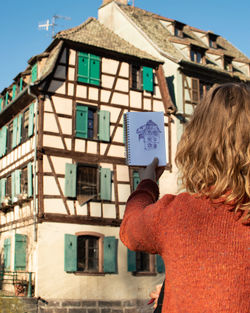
x=126, y=138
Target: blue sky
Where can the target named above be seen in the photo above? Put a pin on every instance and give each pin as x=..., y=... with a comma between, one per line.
x=21, y=38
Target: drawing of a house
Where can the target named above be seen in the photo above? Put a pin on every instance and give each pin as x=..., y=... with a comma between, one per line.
x=150, y=133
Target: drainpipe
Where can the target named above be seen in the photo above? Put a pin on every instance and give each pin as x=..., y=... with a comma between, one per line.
x=34, y=167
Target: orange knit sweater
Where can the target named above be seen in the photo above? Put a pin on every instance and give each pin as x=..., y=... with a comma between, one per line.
x=206, y=250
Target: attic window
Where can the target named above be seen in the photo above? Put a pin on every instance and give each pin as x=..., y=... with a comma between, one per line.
x=228, y=64
x=212, y=40
x=178, y=29
x=196, y=55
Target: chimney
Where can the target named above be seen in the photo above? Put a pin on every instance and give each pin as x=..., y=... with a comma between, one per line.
x=120, y=1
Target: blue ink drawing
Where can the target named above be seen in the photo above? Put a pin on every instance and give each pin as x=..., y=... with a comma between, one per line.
x=150, y=134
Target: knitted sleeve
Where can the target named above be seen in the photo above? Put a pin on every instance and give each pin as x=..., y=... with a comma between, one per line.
x=140, y=229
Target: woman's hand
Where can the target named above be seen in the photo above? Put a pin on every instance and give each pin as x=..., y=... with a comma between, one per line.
x=152, y=171
x=154, y=295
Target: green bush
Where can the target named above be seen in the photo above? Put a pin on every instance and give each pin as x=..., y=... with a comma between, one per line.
x=10, y=305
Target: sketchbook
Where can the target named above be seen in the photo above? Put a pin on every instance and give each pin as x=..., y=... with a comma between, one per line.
x=144, y=136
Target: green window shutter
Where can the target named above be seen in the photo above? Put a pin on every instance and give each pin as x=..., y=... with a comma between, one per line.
x=70, y=180
x=19, y=128
x=7, y=250
x=105, y=184
x=6, y=99
x=82, y=121
x=1, y=103
x=21, y=84
x=83, y=67
x=3, y=140
x=34, y=73
x=148, y=83
x=160, y=264
x=20, y=252
x=31, y=120
x=131, y=261
x=94, y=69
x=14, y=135
x=13, y=92
x=30, y=179
x=104, y=125
x=70, y=253
x=18, y=182
x=110, y=254
x=136, y=179
x=13, y=186
x=3, y=188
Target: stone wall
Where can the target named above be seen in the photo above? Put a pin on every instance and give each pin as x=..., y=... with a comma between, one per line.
x=73, y=306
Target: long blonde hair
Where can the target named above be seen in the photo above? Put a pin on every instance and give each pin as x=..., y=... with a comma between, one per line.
x=213, y=154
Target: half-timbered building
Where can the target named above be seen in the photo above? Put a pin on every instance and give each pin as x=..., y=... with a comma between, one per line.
x=64, y=180
x=194, y=59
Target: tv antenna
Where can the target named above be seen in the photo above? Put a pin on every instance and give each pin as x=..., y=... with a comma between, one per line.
x=52, y=24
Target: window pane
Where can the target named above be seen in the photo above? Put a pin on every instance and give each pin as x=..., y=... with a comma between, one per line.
x=24, y=181
x=87, y=253
x=136, y=77
x=142, y=262
x=25, y=125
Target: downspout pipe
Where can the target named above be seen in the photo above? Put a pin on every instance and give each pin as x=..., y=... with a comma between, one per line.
x=35, y=161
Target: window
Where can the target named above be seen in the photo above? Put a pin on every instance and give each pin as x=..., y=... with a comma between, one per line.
x=90, y=253
x=92, y=124
x=87, y=182
x=212, y=40
x=136, y=82
x=142, y=78
x=17, y=186
x=24, y=181
x=25, y=125
x=228, y=64
x=195, y=95
x=196, y=55
x=88, y=68
x=10, y=137
x=178, y=29
x=144, y=263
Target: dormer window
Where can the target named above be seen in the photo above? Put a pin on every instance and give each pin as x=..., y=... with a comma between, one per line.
x=228, y=66
x=212, y=40
x=196, y=55
x=178, y=29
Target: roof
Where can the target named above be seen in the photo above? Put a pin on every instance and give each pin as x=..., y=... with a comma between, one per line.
x=93, y=33
x=153, y=27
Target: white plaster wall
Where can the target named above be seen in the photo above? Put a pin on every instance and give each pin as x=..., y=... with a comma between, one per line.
x=51, y=275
